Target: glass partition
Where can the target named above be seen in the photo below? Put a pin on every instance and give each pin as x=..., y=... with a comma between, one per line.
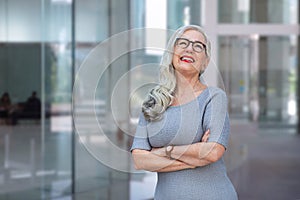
x=238, y=72
x=258, y=11
x=278, y=79
x=262, y=82
x=36, y=72
x=97, y=130
x=183, y=13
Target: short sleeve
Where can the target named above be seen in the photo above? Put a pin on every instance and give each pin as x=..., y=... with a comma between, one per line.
x=216, y=117
x=141, y=140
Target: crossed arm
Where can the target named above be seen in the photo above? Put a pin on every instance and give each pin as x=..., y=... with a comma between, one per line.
x=183, y=157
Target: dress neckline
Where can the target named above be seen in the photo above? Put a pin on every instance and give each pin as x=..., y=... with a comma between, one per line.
x=187, y=103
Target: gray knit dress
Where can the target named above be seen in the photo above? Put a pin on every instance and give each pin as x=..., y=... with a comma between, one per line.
x=183, y=125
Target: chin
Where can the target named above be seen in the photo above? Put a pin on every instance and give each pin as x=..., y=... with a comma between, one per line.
x=187, y=66
x=188, y=70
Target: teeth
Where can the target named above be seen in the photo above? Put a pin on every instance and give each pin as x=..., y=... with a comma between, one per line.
x=187, y=59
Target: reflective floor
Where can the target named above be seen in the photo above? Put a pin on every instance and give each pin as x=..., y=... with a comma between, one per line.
x=262, y=164
x=271, y=169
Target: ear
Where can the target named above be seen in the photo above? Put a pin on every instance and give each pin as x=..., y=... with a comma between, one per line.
x=207, y=61
x=205, y=64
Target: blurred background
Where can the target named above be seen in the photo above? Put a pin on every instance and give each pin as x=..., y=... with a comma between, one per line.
x=43, y=43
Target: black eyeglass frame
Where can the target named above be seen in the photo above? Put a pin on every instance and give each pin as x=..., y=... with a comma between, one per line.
x=204, y=45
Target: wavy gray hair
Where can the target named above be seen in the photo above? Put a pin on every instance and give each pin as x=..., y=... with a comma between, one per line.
x=161, y=96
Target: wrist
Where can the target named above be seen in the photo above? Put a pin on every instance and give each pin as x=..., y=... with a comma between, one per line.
x=168, y=151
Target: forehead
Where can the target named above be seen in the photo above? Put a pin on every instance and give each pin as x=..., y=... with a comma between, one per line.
x=193, y=35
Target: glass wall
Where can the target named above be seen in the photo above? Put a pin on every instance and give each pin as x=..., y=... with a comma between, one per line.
x=265, y=90
x=36, y=72
x=258, y=11
x=183, y=13
x=277, y=79
x=239, y=75
x=262, y=82
x=97, y=131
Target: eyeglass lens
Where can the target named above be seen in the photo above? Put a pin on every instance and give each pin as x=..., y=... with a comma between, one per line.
x=184, y=43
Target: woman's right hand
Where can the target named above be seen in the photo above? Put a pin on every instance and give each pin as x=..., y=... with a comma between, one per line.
x=205, y=136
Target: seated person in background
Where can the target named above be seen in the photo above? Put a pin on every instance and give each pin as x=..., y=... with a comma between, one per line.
x=33, y=105
x=31, y=109
x=5, y=105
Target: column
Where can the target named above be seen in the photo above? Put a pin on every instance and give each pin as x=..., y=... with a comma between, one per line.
x=209, y=22
x=298, y=78
x=119, y=22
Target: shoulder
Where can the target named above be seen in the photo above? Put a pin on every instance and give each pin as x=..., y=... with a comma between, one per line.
x=216, y=93
x=142, y=120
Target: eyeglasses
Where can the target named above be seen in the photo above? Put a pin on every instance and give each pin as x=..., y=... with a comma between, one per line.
x=184, y=43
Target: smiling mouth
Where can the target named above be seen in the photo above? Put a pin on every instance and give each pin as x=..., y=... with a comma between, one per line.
x=187, y=59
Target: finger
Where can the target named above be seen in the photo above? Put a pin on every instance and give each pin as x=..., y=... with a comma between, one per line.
x=207, y=132
x=205, y=136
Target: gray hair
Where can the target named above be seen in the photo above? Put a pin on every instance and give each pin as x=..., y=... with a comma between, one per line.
x=161, y=96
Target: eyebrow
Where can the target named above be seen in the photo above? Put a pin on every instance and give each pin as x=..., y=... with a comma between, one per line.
x=193, y=41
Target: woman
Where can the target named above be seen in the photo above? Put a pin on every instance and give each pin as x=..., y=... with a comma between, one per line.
x=184, y=128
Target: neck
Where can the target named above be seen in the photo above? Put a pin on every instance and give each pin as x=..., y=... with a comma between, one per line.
x=187, y=84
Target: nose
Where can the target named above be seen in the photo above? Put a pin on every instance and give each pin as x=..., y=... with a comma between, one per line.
x=189, y=47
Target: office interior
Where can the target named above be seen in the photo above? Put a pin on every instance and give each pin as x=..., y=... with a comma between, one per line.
x=75, y=144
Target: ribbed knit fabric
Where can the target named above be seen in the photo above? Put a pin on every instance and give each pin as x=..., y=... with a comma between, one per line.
x=186, y=124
